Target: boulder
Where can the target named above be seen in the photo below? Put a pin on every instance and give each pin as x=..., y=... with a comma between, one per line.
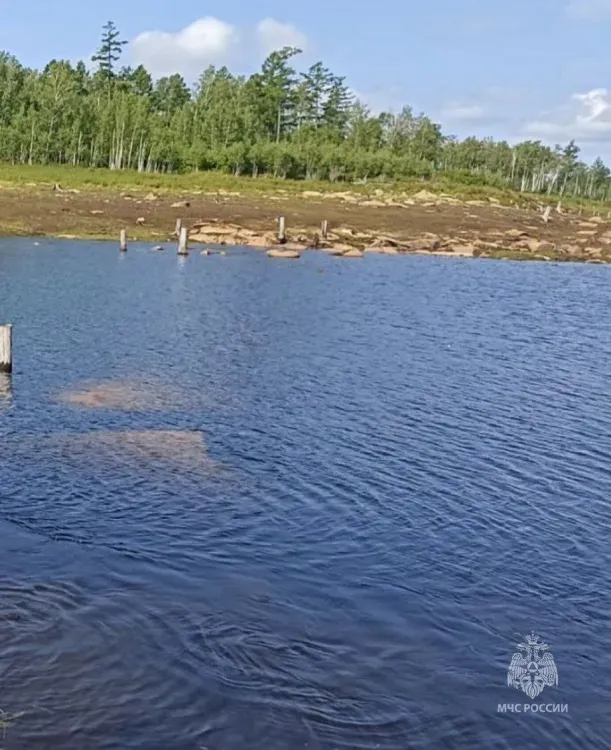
x=595, y=252
x=280, y=252
x=262, y=240
x=515, y=234
x=158, y=249
x=181, y=204
x=540, y=246
x=354, y=253
x=151, y=197
x=338, y=249
x=140, y=221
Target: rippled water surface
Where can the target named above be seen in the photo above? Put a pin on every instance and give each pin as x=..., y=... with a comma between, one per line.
x=256, y=505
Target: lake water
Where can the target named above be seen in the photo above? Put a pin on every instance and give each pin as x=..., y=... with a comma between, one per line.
x=407, y=470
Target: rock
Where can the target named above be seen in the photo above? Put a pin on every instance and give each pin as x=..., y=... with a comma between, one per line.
x=428, y=241
x=335, y=250
x=354, y=253
x=384, y=241
x=382, y=250
x=374, y=203
x=587, y=233
x=97, y=212
x=297, y=247
x=151, y=197
x=595, y=260
x=597, y=220
x=181, y=204
x=229, y=239
x=572, y=250
x=587, y=224
x=281, y=253
x=594, y=251
x=262, y=240
x=425, y=195
x=540, y=246
x=158, y=249
x=465, y=249
x=140, y=221
x=515, y=234
x=206, y=252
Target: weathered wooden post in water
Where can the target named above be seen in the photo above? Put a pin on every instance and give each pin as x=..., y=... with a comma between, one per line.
x=183, y=242
x=281, y=230
x=6, y=348
x=324, y=229
x=123, y=241
x=178, y=227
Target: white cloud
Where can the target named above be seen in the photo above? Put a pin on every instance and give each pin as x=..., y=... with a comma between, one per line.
x=587, y=117
x=204, y=42
x=384, y=99
x=273, y=35
x=211, y=41
x=463, y=112
x=589, y=10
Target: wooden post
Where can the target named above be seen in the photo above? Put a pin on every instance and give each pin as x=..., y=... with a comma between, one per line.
x=183, y=242
x=324, y=229
x=178, y=227
x=123, y=241
x=6, y=348
x=281, y=230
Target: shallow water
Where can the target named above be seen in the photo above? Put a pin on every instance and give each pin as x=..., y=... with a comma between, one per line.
x=416, y=474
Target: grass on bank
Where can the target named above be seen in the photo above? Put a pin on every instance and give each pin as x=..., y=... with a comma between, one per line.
x=461, y=186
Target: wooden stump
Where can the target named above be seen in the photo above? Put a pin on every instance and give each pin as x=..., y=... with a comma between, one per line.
x=6, y=348
x=123, y=241
x=183, y=242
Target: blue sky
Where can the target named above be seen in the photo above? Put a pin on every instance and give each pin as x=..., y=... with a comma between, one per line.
x=512, y=69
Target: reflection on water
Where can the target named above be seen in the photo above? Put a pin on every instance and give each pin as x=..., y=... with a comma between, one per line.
x=415, y=475
x=6, y=390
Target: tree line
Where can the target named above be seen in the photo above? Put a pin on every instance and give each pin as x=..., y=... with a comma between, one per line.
x=276, y=122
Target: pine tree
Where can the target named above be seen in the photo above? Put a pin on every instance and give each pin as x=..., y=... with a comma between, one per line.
x=109, y=51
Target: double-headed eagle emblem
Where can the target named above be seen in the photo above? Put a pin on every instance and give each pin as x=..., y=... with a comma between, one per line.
x=534, y=669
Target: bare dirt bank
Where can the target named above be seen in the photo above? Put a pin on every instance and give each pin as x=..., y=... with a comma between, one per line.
x=421, y=223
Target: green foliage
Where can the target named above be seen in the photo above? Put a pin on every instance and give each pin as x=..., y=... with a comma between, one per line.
x=109, y=51
x=276, y=123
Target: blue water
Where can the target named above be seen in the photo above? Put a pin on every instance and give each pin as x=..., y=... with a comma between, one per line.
x=413, y=472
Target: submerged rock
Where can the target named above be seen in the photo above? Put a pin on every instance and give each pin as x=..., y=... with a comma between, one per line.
x=282, y=253
x=182, y=450
x=123, y=396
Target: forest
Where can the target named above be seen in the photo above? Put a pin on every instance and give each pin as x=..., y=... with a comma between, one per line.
x=278, y=121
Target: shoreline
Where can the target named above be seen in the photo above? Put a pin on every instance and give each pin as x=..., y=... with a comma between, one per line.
x=423, y=223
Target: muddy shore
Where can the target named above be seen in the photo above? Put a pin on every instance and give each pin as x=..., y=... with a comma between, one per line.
x=424, y=222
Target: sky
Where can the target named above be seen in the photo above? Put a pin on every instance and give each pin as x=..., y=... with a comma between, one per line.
x=510, y=69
